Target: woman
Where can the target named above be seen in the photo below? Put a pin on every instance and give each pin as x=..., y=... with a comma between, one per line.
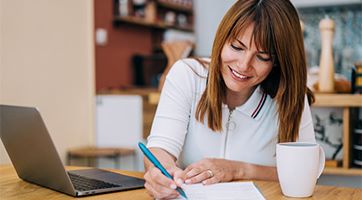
x=220, y=120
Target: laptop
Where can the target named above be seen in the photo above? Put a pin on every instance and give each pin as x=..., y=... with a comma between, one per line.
x=35, y=159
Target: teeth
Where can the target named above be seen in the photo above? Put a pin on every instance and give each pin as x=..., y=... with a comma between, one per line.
x=238, y=75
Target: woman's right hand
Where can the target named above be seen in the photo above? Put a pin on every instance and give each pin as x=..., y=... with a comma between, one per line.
x=161, y=187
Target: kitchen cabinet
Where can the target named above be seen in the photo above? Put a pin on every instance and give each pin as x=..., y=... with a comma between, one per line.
x=158, y=15
x=162, y=14
x=148, y=108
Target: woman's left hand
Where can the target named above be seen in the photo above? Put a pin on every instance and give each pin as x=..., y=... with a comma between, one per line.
x=210, y=170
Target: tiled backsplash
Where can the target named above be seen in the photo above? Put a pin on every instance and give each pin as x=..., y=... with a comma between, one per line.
x=347, y=43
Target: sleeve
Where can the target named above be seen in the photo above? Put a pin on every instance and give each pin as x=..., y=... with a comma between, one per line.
x=306, y=130
x=172, y=116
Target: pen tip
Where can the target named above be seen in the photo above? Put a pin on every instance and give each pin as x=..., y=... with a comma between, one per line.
x=184, y=195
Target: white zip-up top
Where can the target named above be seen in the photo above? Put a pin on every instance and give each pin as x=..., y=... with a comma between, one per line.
x=249, y=131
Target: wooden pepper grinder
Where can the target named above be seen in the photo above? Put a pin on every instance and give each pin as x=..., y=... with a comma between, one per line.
x=326, y=65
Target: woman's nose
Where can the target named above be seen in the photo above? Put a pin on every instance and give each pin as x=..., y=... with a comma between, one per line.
x=245, y=61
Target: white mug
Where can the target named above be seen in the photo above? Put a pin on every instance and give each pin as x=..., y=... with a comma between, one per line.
x=299, y=165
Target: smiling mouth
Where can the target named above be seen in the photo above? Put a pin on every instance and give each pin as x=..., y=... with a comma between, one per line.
x=238, y=75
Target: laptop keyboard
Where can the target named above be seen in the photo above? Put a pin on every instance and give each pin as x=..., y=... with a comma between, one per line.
x=81, y=183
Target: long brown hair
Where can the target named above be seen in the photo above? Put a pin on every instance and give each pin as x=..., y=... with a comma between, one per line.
x=277, y=30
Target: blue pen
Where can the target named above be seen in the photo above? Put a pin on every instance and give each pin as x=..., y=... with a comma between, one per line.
x=157, y=164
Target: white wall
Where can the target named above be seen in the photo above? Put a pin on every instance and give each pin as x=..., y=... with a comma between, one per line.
x=208, y=14
x=47, y=61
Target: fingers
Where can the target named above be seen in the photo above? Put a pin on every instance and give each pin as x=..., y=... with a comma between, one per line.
x=206, y=171
x=210, y=181
x=179, y=177
x=158, y=185
x=193, y=172
x=200, y=177
x=159, y=195
x=155, y=176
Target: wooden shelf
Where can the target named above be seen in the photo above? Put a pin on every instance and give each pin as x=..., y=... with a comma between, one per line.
x=174, y=6
x=338, y=100
x=153, y=98
x=143, y=91
x=322, y=100
x=342, y=171
x=345, y=101
x=142, y=22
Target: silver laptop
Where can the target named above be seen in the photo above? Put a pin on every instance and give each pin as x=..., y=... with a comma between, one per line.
x=36, y=160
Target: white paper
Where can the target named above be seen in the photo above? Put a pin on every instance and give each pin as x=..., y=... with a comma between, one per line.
x=223, y=191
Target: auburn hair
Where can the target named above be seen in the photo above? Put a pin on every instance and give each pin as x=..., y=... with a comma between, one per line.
x=276, y=30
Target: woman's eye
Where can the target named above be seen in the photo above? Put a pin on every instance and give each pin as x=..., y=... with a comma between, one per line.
x=236, y=48
x=263, y=58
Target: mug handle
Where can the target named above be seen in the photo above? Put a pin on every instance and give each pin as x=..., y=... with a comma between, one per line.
x=322, y=160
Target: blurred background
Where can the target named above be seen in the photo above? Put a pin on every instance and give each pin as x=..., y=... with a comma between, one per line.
x=93, y=68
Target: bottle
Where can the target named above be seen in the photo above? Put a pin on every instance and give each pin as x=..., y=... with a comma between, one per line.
x=326, y=65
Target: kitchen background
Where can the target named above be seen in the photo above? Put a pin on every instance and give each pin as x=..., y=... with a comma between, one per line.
x=62, y=62
x=206, y=17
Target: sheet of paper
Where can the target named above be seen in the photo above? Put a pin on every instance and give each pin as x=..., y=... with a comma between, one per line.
x=223, y=191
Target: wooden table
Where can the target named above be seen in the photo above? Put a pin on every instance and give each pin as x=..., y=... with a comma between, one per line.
x=11, y=187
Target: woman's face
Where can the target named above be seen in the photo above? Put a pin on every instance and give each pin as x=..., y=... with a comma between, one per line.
x=243, y=66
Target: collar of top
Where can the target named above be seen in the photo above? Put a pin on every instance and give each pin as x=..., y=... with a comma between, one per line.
x=253, y=107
